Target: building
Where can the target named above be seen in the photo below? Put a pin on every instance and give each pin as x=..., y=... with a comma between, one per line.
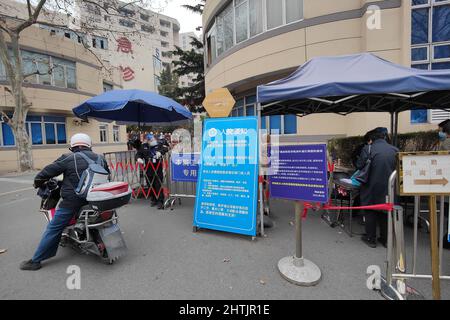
x=140, y=45
x=185, y=45
x=253, y=42
x=76, y=76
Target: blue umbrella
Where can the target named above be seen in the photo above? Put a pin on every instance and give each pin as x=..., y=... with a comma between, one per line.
x=133, y=107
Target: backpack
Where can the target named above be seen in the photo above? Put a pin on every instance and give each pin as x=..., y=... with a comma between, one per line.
x=93, y=175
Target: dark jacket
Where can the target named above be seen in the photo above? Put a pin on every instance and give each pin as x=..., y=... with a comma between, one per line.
x=72, y=168
x=383, y=157
x=147, y=153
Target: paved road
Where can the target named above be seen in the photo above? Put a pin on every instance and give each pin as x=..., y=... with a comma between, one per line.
x=166, y=260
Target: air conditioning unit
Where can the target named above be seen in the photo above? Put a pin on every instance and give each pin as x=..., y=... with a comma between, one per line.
x=437, y=116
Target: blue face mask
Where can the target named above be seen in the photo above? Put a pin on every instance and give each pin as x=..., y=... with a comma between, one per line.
x=442, y=136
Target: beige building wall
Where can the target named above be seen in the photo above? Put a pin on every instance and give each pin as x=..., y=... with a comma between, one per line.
x=50, y=100
x=333, y=28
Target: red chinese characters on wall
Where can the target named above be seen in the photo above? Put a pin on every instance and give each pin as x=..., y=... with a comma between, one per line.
x=124, y=45
x=127, y=73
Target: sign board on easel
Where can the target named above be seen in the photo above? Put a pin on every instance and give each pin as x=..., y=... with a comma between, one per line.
x=427, y=174
x=424, y=173
x=227, y=184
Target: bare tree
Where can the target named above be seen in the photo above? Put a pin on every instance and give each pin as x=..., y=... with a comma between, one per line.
x=51, y=13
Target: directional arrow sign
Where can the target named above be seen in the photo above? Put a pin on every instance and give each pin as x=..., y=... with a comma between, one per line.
x=431, y=182
x=424, y=173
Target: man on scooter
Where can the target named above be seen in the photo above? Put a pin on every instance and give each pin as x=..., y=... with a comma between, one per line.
x=72, y=167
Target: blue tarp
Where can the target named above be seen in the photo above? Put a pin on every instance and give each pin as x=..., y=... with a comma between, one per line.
x=133, y=107
x=359, y=74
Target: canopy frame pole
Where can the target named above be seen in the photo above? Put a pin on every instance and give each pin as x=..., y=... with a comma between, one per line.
x=392, y=126
x=395, y=132
x=260, y=175
x=407, y=96
x=269, y=105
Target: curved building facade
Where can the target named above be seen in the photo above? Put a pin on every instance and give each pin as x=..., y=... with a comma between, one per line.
x=253, y=42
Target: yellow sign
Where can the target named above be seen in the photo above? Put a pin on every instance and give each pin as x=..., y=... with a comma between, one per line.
x=219, y=103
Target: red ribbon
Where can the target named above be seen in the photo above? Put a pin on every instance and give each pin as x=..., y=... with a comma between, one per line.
x=378, y=207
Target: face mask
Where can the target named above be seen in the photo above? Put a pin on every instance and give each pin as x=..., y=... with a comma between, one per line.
x=442, y=136
x=153, y=143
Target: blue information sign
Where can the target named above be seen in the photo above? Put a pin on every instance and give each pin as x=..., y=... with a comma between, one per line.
x=299, y=173
x=228, y=176
x=184, y=167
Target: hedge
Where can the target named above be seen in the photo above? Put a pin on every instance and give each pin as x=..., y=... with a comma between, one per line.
x=343, y=148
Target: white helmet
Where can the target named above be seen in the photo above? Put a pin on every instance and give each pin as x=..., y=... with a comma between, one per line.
x=80, y=140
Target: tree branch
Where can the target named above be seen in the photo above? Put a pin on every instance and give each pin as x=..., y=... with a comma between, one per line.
x=32, y=18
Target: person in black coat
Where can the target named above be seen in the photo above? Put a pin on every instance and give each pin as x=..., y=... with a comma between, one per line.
x=383, y=163
x=71, y=167
x=150, y=155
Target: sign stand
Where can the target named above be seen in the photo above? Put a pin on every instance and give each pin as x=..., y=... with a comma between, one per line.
x=434, y=250
x=297, y=269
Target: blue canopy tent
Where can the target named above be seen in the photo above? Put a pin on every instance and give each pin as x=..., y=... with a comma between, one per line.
x=133, y=107
x=355, y=83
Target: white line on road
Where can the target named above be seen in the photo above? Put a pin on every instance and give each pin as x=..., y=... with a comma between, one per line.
x=15, y=191
x=22, y=181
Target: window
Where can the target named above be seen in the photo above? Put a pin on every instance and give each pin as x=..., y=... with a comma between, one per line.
x=241, y=16
x=157, y=81
x=100, y=42
x=244, y=19
x=164, y=33
x=144, y=17
x=290, y=124
x=165, y=23
x=256, y=17
x=116, y=133
x=126, y=23
x=147, y=28
x=167, y=54
x=157, y=65
x=103, y=133
x=274, y=13
x=430, y=39
x=107, y=86
x=419, y=116
x=46, y=129
x=52, y=71
x=246, y=107
x=126, y=12
x=7, y=135
x=430, y=34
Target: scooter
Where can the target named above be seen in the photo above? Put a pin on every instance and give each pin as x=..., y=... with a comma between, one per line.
x=94, y=229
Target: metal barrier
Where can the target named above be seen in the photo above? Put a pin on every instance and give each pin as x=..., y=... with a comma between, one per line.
x=140, y=177
x=178, y=190
x=394, y=286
